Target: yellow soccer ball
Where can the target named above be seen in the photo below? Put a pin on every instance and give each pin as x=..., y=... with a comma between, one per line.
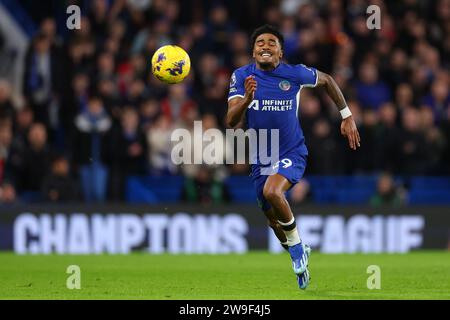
x=171, y=64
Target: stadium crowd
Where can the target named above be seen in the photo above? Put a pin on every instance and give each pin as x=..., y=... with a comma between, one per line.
x=93, y=114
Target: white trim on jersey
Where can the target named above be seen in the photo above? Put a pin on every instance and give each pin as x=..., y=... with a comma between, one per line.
x=315, y=84
x=297, y=97
x=236, y=95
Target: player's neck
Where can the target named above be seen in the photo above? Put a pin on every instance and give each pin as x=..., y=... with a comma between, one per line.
x=267, y=67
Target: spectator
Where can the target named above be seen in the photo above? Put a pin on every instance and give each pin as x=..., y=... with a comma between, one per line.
x=370, y=90
x=177, y=105
x=48, y=29
x=203, y=188
x=5, y=144
x=388, y=144
x=28, y=166
x=219, y=28
x=159, y=146
x=128, y=152
x=445, y=129
x=414, y=152
x=309, y=113
x=208, y=67
x=404, y=96
x=387, y=194
x=439, y=99
x=434, y=140
x=98, y=16
x=322, y=149
x=211, y=149
x=91, y=149
x=6, y=106
x=76, y=99
x=212, y=103
x=397, y=72
x=59, y=186
x=41, y=78
x=148, y=113
x=368, y=158
x=23, y=121
x=7, y=194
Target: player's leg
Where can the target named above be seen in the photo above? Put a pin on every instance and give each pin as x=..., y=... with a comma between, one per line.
x=274, y=193
x=276, y=227
x=274, y=188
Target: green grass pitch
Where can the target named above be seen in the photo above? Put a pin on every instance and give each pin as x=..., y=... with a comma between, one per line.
x=254, y=276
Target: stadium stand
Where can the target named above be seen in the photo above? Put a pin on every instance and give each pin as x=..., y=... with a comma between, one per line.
x=396, y=80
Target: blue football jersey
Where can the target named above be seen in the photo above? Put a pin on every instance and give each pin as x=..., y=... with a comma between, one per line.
x=276, y=103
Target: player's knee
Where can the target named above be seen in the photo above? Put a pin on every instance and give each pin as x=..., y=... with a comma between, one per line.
x=272, y=194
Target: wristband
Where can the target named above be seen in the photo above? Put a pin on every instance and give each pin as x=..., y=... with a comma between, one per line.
x=345, y=113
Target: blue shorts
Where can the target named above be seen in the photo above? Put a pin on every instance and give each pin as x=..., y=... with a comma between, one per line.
x=292, y=167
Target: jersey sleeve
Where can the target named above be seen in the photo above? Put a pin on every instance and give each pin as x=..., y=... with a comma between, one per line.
x=307, y=75
x=236, y=86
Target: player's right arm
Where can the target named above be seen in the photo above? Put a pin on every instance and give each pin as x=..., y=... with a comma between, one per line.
x=238, y=104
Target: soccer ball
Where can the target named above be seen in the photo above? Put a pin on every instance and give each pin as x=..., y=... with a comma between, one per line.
x=171, y=64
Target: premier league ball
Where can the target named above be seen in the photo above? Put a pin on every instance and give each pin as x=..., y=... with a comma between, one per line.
x=171, y=64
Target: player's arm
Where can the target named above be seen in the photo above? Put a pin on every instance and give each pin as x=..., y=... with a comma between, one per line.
x=238, y=105
x=348, y=126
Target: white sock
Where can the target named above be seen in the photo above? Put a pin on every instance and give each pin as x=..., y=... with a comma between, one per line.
x=292, y=235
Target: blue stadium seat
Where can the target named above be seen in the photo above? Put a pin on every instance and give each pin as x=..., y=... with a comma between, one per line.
x=324, y=196
x=241, y=189
x=137, y=193
x=325, y=189
x=429, y=197
x=30, y=197
x=430, y=182
x=342, y=189
x=354, y=195
x=154, y=189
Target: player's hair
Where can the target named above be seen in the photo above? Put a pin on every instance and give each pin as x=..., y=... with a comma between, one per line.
x=267, y=28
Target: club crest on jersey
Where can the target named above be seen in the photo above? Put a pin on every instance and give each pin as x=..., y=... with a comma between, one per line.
x=284, y=85
x=233, y=80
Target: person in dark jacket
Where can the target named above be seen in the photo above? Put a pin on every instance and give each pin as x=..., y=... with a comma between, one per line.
x=41, y=80
x=128, y=155
x=59, y=186
x=27, y=167
x=90, y=149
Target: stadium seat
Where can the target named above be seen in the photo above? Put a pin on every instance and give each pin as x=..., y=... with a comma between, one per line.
x=354, y=195
x=154, y=189
x=430, y=182
x=241, y=189
x=429, y=197
x=30, y=197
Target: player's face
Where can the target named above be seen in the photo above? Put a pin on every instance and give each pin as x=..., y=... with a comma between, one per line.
x=267, y=51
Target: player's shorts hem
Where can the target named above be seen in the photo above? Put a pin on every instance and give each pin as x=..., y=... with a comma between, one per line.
x=291, y=181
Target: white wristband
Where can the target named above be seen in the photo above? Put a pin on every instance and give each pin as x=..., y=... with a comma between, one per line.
x=345, y=113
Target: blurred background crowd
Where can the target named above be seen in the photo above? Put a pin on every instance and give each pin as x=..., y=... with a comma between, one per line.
x=84, y=113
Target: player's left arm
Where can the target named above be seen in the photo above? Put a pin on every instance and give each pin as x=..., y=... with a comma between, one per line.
x=348, y=126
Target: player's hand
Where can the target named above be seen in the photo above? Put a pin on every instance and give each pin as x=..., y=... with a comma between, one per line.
x=349, y=130
x=250, y=88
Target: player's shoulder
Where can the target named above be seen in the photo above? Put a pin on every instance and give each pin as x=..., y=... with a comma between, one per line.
x=300, y=73
x=295, y=67
x=245, y=70
x=290, y=71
